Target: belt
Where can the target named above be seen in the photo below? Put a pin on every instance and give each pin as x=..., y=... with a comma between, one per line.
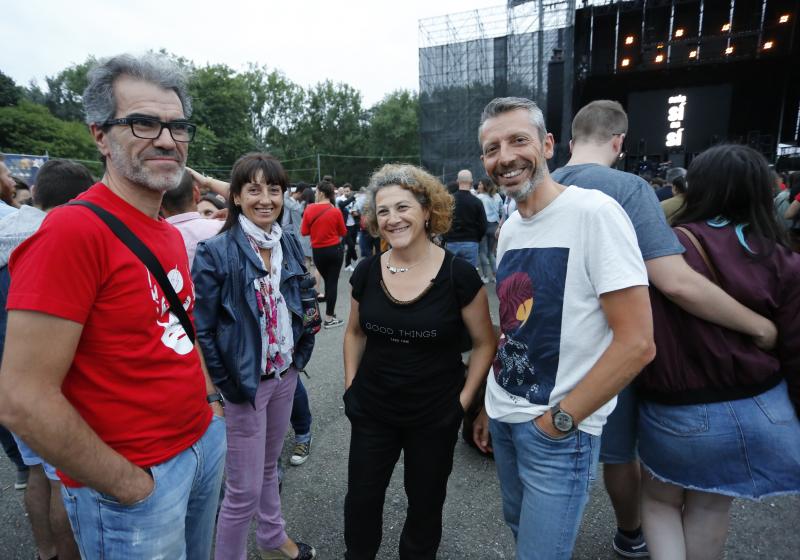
x=266, y=376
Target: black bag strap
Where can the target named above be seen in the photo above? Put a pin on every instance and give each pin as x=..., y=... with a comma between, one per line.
x=147, y=257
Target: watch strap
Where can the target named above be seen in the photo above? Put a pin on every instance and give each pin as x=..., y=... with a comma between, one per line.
x=215, y=397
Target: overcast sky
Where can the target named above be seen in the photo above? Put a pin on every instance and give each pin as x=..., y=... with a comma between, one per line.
x=371, y=45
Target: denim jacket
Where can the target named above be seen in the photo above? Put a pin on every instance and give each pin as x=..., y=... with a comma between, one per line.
x=226, y=313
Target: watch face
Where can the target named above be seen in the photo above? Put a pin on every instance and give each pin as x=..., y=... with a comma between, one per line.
x=562, y=421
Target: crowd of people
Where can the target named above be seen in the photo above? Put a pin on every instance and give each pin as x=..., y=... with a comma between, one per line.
x=180, y=311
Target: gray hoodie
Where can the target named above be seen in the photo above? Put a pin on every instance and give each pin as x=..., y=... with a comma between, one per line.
x=16, y=228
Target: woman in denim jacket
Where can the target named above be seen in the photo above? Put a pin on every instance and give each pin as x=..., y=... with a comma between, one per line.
x=249, y=321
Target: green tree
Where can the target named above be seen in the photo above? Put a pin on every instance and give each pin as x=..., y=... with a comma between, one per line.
x=10, y=93
x=276, y=108
x=64, y=95
x=31, y=129
x=34, y=93
x=203, y=153
x=221, y=101
x=333, y=122
x=394, y=125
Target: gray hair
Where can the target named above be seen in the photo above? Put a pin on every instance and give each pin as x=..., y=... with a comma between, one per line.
x=674, y=172
x=402, y=175
x=98, y=97
x=424, y=187
x=500, y=105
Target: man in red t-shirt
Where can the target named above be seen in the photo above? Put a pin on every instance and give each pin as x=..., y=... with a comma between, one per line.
x=103, y=381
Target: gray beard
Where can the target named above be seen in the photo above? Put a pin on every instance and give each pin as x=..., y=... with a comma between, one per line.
x=136, y=173
x=522, y=193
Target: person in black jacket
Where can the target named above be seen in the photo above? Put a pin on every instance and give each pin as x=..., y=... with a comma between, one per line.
x=469, y=221
x=249, y=318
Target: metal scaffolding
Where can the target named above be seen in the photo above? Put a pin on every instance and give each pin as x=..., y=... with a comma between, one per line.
x=467, y=59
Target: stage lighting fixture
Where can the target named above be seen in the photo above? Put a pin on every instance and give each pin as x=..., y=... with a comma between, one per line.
x=726, y=27
x=768, y=45
x=629, y=40
x=659, y=58
x=693, y=54
x=679, y=32
x=784, y=18
x=625, y=62
x=729, y=50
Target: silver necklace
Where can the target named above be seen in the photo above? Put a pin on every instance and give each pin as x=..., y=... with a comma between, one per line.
x=396, y=269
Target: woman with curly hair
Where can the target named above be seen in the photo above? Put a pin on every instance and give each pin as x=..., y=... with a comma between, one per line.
x=405, y=388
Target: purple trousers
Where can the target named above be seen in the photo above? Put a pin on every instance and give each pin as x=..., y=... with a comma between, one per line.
x=255, y=440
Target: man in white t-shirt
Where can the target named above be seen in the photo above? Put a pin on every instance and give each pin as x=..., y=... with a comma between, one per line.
x=576, y=328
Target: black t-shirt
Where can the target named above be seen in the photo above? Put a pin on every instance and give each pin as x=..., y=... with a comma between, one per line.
x=411, y=371
x=469, y=218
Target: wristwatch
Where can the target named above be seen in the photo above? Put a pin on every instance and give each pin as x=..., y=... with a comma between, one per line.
x=215, y=397
x=562, y=421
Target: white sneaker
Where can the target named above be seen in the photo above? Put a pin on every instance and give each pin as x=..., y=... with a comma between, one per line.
x=300, y=453
x=332, y=324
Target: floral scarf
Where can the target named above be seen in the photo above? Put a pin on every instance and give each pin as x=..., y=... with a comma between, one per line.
x=277, y=340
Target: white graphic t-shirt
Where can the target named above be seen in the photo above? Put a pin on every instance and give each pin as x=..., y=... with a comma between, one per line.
x=551, y=270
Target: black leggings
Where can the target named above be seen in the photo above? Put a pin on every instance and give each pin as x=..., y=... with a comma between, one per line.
x=350, y=240
x=328, y=261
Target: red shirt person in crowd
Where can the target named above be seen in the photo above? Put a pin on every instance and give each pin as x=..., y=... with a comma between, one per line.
x=324, y=223
x=117, y=401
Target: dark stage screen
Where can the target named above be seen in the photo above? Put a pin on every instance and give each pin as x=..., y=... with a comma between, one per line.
x=677, y=120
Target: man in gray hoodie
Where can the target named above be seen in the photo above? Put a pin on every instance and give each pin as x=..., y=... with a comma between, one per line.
x=58, y=182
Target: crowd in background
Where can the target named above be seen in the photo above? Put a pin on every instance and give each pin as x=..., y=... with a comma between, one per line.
x=590, y=277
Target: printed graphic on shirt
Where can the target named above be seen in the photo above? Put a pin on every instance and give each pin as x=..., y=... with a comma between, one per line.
x=530, y=286
x=174, y=336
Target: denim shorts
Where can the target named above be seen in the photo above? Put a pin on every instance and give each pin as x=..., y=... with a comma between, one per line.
x=747, y=448
x=618, y=442
x=31, y=459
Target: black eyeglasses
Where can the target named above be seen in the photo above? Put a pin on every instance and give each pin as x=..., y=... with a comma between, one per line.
x=148, y=128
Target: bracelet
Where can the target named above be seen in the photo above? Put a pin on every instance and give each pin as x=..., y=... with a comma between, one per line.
x=215, y=397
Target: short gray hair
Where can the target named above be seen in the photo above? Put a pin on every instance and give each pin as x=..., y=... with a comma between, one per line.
x=500, y=105
x=98, y=97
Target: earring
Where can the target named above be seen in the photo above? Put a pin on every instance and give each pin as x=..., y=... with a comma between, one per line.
x=427, y=223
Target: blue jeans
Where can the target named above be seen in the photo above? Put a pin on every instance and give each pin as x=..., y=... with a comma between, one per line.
x=175, y=521
x=467, y=250
x=545, y=486
x=301, y=414
x=486, y=251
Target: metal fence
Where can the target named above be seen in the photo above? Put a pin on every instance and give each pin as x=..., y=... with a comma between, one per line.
x=468, y=58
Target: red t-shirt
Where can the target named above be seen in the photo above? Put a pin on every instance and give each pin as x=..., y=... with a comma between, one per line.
x=324, y=223
x=135, y=378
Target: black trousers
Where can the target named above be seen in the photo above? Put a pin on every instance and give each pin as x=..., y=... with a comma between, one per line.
x=350, y=242
x=428, y=459
x=11, y=449
x=328, y=261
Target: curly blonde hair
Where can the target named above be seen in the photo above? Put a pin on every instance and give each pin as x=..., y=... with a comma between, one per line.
x=426, y=188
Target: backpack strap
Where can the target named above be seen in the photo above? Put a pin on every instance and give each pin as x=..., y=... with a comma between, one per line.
x=144, y=254
x=702, y=252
